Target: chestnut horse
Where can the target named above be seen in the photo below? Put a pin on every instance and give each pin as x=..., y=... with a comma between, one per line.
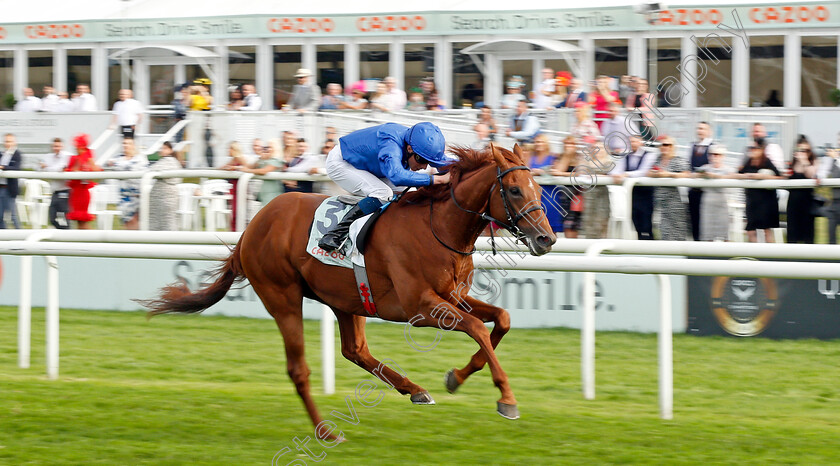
x=417, y=257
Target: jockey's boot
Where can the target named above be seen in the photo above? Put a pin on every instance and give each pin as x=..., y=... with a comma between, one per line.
x=334, y=238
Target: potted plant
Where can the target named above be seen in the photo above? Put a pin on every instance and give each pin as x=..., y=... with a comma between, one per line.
x=834, y=96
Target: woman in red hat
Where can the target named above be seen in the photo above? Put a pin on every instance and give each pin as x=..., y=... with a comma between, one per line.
x=80, y=189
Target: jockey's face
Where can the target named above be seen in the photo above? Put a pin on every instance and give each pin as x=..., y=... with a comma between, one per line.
x=413, y=163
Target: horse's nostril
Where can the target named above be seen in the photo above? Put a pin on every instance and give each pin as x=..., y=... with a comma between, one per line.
x=544, y=241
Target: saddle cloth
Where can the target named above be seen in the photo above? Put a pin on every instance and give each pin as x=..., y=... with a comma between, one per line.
x=327, y=215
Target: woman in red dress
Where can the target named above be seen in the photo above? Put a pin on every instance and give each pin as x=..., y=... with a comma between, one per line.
x=79, y=189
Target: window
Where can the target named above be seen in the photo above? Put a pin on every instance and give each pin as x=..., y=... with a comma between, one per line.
x=287, y=60
x=718, y=78
x=664, y=57
x=40, y=70
x=78, y=69
x=767, y=77
x=373, y=61
x=419, y=63
x=467, y=80
x=819, y=70
x=7, y=67
x=611, y=57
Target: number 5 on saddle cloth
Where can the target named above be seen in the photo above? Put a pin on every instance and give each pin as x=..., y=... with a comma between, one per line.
x=351, y=255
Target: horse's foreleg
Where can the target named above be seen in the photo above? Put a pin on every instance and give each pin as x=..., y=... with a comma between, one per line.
x=486, y=313
x=355, y=349
x=438, y=312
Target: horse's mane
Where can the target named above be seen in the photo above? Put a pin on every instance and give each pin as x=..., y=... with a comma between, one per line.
x=469, y=160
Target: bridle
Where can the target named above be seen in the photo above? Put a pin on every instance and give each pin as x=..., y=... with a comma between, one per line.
x=512, y=224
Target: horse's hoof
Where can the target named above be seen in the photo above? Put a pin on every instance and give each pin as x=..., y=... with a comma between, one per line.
x=507, y=411
x=422, y=398
x=450, y=381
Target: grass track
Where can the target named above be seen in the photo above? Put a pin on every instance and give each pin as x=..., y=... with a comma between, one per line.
x=213, y=390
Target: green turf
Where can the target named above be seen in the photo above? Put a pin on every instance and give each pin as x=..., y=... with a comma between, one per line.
x=213, y=390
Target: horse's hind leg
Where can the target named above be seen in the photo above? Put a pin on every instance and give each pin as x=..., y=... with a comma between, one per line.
x=285, y=303
x=354, y=347
x=501, y=324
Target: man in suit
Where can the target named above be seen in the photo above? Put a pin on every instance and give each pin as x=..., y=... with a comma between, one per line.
x=306, y=97
x=698, y=156
x=574, y=95
x=10, y=160
x=523, y=125
x=636, y=165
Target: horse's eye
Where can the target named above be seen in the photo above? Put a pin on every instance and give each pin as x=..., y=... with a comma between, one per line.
x=515, y=191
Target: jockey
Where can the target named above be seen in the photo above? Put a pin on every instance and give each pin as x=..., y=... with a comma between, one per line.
x=371, y=162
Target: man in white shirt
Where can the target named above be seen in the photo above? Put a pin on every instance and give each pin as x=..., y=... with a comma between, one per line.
x=637, y=165
x=523, y=126
x=56, y=161
x=253, y=102
x=85, y=102
x=29, y=103
x=128, y=113
x=398, y=98
x=773, y=151
x=49, y=103
x=304, y=162
x=65, y=105
x=544, y=90
x=615, y=132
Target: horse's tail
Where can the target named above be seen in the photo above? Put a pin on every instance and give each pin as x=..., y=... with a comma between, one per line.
x=177, y=297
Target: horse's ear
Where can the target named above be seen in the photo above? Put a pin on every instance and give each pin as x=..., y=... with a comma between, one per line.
x=518, y=152
x=497, y=156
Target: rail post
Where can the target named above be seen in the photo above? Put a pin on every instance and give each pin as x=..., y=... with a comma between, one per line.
x=587, y=327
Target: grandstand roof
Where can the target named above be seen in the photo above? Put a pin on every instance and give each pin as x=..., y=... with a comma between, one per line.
x=63, y=10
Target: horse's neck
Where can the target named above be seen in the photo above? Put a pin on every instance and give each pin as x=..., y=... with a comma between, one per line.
x=472, y=194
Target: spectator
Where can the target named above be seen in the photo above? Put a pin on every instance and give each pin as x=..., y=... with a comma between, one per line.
x=251, y=102
x=540, y=163
x=523, y=125
x=636, y=165
x=433, y=102
x=328, y=146
x=714, y=209
x=601, y=99
x=356, y=101
x=641, y=102
x=163, y=198
x=513, y=93
x=397, y=99
x=482, y=137
x=544, y=90
x=200, y=98
x=79, y=198
x=473, y=93
x=268, y=162
x=29, y=103
x=180, y=106
x=238, y=159
x=332, y=98
x=381, y=100
x=85, y=101
x=129, y=160
x=762, y=206
x=305, y=97
x=290, y=139
x=800, y=205
x=698, y=156
x=626, y=88
x=574, y=94
x=833, y=211
x=56, y=161
x=615, y=132
x=585, y=130
x=236, y=102
x=128, y=113
x=304, y=162
x=485, y=116
x=773, y=99
x=65, y=105
x=10, y=159
x=774, y=151
x=415, y=100
x=596, y=201
x=571, y=201
x=50, y=101
x=673, y=225
x=331, y=132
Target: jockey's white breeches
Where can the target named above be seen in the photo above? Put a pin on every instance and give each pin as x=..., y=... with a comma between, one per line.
x=355, y=181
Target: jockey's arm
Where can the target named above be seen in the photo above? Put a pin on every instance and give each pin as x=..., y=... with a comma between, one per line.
x=390, y=159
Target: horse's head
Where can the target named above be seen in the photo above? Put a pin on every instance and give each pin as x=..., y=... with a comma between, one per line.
x=517, y=203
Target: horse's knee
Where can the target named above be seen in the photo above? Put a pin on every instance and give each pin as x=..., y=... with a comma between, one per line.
x=350, y=354
x=298, y=374
x=502, y=321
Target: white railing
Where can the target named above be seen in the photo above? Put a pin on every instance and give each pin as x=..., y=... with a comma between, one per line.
x=59, y=243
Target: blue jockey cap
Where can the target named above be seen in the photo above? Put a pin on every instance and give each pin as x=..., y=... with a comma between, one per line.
x=427, y=142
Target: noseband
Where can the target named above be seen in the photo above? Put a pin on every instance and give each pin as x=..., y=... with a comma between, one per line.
x=512, y=224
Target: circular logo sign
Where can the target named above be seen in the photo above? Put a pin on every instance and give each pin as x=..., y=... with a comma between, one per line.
x=744, y=306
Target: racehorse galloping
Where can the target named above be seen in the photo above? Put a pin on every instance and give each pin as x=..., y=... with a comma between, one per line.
x=435, y=226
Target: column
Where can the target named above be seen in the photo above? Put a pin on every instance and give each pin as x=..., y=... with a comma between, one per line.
x=396, y=64
x=309, y=60
x=740, y=74
x=220, y=84
x=264, y=79
x=20, y=78
x=99, y=75
x=587, y=62
x=351, y=62
x=637, y=58
x=443, y=71
x=492, y=80
x=793, y=71
x=60, y=68
x=688, y=75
